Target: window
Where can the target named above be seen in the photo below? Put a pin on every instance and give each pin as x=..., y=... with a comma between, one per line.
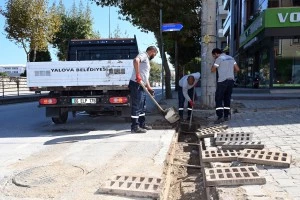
x=296, y=40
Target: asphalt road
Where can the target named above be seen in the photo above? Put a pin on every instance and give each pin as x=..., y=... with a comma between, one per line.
x=71, y=161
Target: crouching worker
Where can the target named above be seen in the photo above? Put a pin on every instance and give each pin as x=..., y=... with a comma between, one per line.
x=186, y=91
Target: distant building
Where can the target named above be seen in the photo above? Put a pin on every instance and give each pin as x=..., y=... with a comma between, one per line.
x=13, y=69
x=221, y=18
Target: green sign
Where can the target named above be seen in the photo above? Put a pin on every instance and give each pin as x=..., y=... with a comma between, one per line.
x=252, y=30
x=282, y=17
x=271, y=18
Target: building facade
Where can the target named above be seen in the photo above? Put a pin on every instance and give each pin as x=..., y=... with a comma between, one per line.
x=264, y=37
x=13, y=69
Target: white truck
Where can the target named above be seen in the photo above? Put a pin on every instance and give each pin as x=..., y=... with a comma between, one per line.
x=94, y=79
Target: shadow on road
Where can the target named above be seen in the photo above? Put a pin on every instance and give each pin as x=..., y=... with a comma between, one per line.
x=73, y=139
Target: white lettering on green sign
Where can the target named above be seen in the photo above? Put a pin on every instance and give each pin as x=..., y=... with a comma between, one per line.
x=293, y=17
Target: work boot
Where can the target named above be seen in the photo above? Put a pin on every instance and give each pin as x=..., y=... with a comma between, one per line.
x=138, y=130
x=146, y=127
x=219, y=120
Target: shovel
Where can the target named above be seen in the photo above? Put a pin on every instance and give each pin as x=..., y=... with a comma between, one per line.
x=170, y=114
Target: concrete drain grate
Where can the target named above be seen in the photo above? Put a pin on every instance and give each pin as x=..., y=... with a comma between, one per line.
x=265, y=157
x=233, y=137
x=208, y=132
x=243, y=145
x=134, y=186
x=233, y=176
x=45, y=176
x=219, y=155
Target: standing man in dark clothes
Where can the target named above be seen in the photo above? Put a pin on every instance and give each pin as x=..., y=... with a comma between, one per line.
x=140, y=75
x=225, y=65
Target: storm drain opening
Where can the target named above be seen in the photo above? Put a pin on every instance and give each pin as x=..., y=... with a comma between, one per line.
x=47, y=176
x=44, y=182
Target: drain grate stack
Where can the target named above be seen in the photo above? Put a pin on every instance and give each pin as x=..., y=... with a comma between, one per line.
x=236, y=148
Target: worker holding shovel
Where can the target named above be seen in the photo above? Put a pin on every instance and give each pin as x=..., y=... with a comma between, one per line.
x=140, y=76
x=186, y=91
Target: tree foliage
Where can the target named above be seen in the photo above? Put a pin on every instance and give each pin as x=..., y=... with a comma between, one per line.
x=75, y=24
x=155, y=72
x=146, y=16
x=29, y=24
x=40, y=56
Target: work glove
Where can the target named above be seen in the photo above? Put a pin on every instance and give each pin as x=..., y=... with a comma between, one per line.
x=138, y=78
x=191, y=103
x=151, y=92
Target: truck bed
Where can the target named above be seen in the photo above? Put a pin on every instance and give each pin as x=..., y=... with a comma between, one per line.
x=80, y=75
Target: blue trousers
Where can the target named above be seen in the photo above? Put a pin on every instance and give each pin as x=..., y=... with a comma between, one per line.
x=138, y=102
x=181, y=100
x=223, y=97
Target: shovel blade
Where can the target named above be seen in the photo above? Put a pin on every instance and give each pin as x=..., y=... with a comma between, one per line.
x=171, y=115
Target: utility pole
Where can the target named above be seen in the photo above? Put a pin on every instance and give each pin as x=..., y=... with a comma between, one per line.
x=162, y=52
x=208, y=43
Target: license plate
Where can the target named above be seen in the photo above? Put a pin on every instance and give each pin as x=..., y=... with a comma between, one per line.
x=84, y=101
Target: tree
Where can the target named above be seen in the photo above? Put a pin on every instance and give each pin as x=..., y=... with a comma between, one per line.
x=155, y=72
x=75, y=24
x=117, y=33
x=146, y=16
x=40, y=56
x=27, y=24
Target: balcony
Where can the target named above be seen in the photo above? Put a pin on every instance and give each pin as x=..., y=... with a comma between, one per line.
x=226, y=4
x=222, y=11
x=226, y=25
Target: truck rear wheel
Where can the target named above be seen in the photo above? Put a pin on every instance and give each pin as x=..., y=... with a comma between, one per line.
x=61, y=119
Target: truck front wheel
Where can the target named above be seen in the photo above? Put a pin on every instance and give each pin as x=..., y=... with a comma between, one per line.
x=61, y=119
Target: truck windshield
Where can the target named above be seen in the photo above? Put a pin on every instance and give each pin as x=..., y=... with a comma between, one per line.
x=109, y=49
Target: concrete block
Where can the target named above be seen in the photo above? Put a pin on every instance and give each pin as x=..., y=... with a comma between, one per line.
x=210, y=131
x=243, y=145
x=265, y=157
x=234, y=137
x=219, y=155
x=220, y=164
x=133, y=186
x=233, y=176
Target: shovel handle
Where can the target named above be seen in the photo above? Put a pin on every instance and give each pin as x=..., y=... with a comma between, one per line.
x=152, y=98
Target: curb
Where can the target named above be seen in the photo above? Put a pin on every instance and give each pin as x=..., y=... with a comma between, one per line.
x=20, y=99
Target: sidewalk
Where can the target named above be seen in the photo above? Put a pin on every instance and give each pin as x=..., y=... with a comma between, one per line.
x=275, y=121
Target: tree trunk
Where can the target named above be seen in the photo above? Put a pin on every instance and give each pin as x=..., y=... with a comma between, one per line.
x=208, y=42
x=167, y=78
x=34, y=55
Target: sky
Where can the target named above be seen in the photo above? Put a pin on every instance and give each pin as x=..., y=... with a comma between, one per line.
x=10, y=53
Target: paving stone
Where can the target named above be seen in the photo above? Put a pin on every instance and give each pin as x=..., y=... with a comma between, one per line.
x=254, y=190
x=219, y=155
x=278, y=174
x=265, y=157
x=285, y=182
x=233, y=176
x=233, y=137
x=293, y=171
x=134, y=186
x=243, y=145
x=293, y=191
